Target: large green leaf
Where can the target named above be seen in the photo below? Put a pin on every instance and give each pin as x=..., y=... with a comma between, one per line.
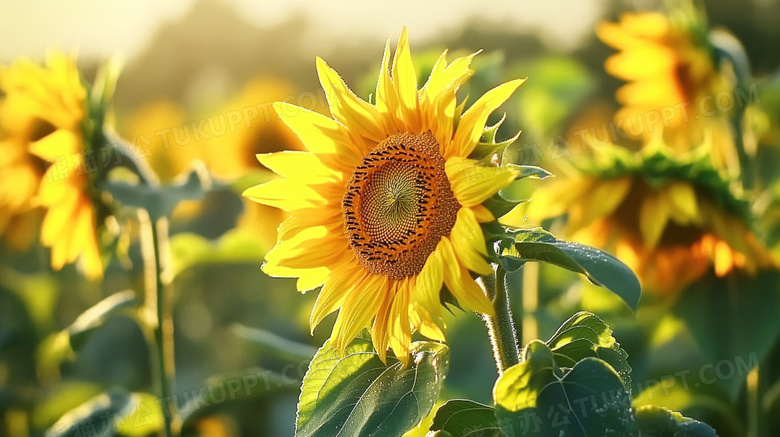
x=656, y=421
x=357, y=395
x=465, y=418
x=586, y=335
x=539, y=398
x=598, y=266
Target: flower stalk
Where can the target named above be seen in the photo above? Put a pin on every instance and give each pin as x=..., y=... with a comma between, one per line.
x=501, y=326
x=155, y=253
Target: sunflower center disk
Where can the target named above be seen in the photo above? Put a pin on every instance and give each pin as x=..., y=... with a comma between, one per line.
x=398, y=205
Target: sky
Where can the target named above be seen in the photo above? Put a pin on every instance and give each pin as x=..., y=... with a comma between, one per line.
x=99, y=28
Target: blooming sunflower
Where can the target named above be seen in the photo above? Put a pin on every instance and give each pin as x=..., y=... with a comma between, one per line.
x=669, y=220
x=673, y=77
x=48, y=104
x=386, y=204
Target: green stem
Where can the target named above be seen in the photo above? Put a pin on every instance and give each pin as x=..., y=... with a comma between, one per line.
x=501, y=326
x=156, y=252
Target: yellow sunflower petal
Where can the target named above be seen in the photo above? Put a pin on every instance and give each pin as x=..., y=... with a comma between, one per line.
x=386, y=96
x=469, y=243
x=82, y=229
x=360, y=307
x=429, y=282
x=405, y=80
x=653, y=217
x=347, y=108
x=400, y=331
x=299, y=165
x=334, y=292
x=309, y=279
x=602, y=200
x=58, y=144
x=379, y=332
x=683, y=198
x=474, y=183
x=424, y=323
x=311, y=248
x=460, y=283
x=321, y=135
x=285, y=194
x=472, y=124
x=58, y=217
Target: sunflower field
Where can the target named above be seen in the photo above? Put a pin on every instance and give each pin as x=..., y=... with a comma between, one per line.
x=230, y=218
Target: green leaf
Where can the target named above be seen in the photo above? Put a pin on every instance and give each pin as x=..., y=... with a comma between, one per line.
x=488, y=146
x=159, y=201
x=498, y=205
x=111, y=413
x=586, y=335
x=357, y=395
x=530, y=171
x=96, y=316
x=274, y=344
x=598, y=266
x=539, y=398
x=465, y=418
x=656, y=421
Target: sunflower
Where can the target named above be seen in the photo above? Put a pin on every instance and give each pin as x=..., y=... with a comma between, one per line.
x=670, y=220
x=386, y=204
x=48, y=106
x=673, y=78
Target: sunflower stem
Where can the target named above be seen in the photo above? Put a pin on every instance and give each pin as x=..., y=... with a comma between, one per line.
x=156, y=251
x=501, y=326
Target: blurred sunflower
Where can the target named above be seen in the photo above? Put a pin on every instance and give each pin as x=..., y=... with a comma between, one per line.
x=667, y=219
x=47, y=107
x=673, y=78
x=147, y=129
x=386, y=205
x=257, y=130
x=20, y=174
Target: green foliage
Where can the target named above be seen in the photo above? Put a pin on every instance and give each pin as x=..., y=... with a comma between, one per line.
x=585, y=335
x=655, y=421
x=160, y=201
x=358, y=395
x=513, y=248
x=222, y=391
x=557, y=87
x=575, y=384
x=274, y=344
x=733, y=321
x=537, y=397
x=115, y=412
x=61, y=345
x=465, y=418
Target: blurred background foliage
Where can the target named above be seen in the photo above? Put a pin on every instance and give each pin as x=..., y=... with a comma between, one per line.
x=202, y=89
